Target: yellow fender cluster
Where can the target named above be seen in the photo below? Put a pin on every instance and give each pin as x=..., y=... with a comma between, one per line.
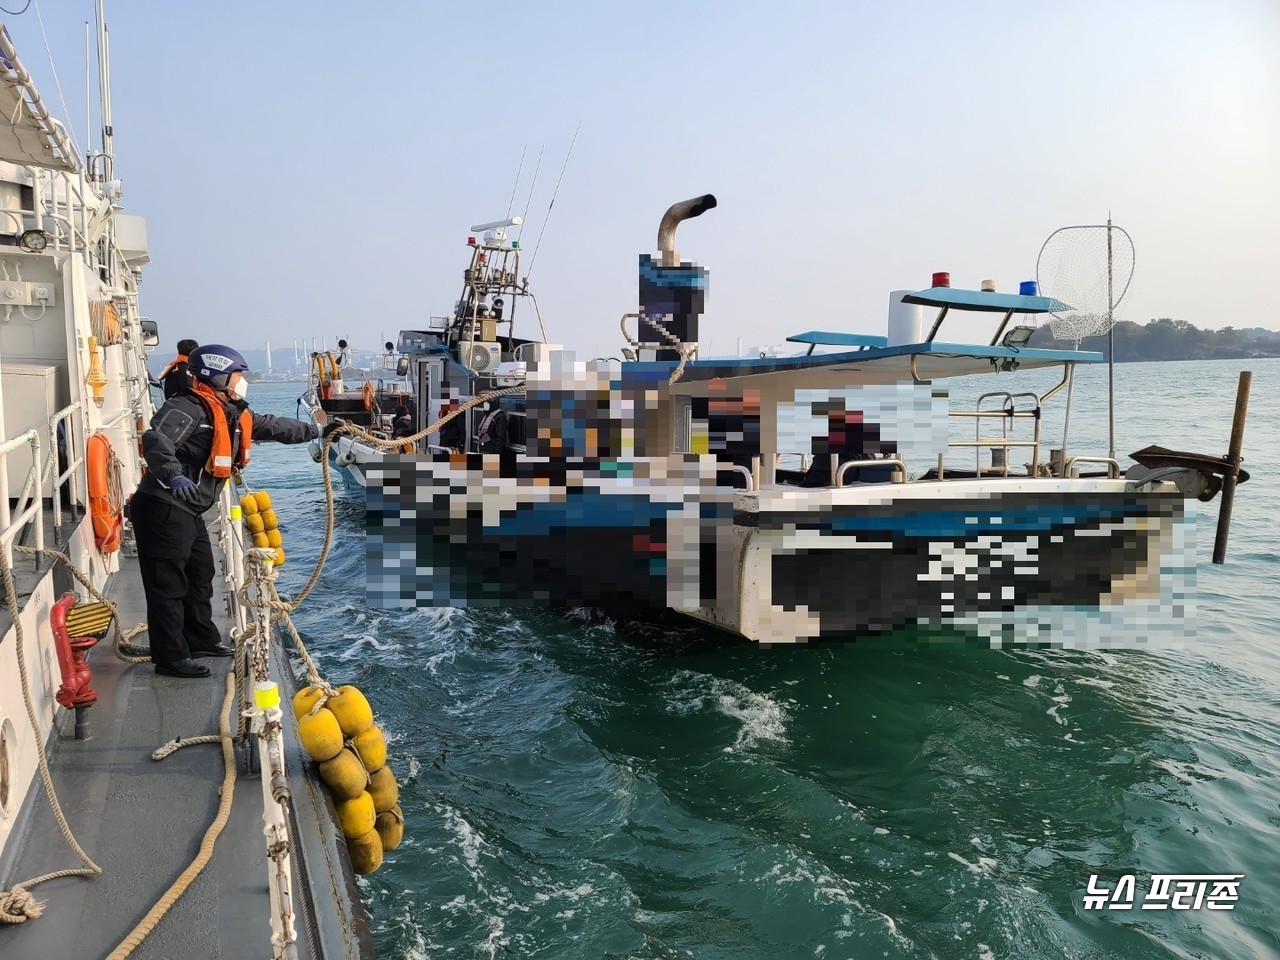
x=341, y=737
x=260, y=520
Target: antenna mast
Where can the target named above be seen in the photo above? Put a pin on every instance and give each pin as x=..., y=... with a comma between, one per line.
x=104, y=90
x=515, y=186
x=88, y=99
x=555, y=193
x=525, y=216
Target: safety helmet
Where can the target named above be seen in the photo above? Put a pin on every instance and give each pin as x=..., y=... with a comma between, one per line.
x=214, y=363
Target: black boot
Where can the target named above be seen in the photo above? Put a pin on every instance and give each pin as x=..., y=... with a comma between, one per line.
x=182, y=668
x=217, y=650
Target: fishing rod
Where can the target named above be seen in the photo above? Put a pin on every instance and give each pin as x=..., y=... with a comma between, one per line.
x=515, y=186
x=554, y=194
x=525, y=217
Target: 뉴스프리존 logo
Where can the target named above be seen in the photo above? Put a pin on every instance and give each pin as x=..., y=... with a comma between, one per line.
x=1168, y=891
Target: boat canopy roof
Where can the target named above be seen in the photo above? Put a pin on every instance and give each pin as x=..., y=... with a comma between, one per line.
x=985, y=300
x=932, y=361
x=829, y=339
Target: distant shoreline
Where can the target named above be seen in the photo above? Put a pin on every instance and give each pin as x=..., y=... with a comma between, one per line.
x=1166, y=339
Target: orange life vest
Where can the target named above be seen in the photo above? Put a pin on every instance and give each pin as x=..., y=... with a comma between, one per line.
x=180, y=358
x=220, y=457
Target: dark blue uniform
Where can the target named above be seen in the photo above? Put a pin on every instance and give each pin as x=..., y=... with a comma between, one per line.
x=173, y=544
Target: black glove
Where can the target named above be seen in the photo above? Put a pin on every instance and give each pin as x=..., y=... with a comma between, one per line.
x=183, y=487
x=331, y=426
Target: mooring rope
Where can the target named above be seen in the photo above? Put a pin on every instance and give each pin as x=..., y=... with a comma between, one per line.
x=119, y=645
x=686, y=350
x=205, y=854
x=17, y=904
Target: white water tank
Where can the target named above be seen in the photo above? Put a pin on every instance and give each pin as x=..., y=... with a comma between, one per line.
x=30, y=399
x=906, y=320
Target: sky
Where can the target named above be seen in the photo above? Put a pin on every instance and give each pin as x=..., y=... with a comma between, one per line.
x=312, y=169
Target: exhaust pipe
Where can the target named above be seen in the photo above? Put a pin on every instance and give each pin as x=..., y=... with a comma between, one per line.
x=684, y=210
x=672, y=293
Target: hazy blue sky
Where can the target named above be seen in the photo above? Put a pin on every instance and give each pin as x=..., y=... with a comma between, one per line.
x=312, y=168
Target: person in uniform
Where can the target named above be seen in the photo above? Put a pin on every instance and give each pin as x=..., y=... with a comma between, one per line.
x=195, y=440
x=176, y=377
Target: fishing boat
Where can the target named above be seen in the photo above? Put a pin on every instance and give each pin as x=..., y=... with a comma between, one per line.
x=101, y=808
x=786, y=499
x=445, y=365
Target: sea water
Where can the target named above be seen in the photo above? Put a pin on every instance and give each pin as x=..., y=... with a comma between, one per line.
x=571, y=791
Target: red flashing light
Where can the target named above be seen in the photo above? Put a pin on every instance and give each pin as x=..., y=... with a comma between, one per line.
x=471, y=241
x=941, y=279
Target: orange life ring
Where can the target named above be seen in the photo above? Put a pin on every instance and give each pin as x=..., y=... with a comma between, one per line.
x=368, y=396
x=103, y=474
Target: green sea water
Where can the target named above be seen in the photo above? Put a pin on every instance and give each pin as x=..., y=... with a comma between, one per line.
x=576, y=790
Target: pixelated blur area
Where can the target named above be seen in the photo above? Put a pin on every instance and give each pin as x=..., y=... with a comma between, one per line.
x=595, y=512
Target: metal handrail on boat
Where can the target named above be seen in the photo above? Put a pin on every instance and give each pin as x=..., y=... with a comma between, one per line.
x=118, y=419
x=1113, y=465
x=50, y=466
x=74, y=463
x=899, y=465
x=10, y=526
x=739, y=468
x=1006, y=415
x=71, y=235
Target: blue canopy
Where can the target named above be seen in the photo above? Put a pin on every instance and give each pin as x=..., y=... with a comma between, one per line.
x=984, y=300
x=932, y=361
x=827, y=338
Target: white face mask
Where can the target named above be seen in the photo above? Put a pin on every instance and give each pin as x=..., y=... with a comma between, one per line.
x=241, y=389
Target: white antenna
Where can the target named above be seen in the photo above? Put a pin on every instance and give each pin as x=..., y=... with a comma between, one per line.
x=554, y=194
x=104, y=91
x=533, y=183
x=516, y=185
x=88, y=97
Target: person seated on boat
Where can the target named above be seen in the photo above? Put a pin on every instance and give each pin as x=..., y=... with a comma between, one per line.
x=176, y=377
x=402, y=425
x=454, y=433
x=492, y=432
x=849, y=437
x=196, y=439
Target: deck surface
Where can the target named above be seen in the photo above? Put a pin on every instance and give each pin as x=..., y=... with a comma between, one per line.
x=142, y=821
